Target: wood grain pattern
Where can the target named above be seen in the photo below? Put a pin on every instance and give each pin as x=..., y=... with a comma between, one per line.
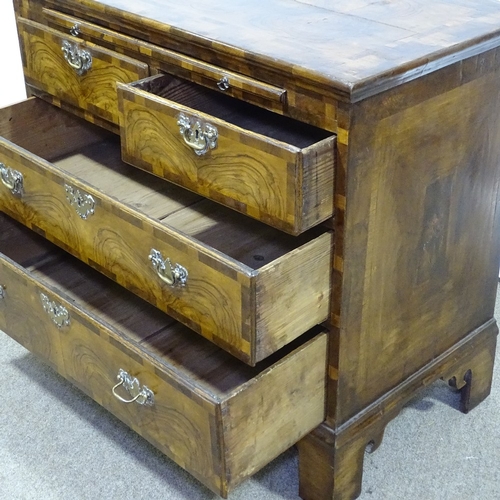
x=45, y=67
x=196, y=418
x=415, y=223
x=272, y=169
x=355, y=50
x=134, y=215
x=411, y=91
x=288, y=95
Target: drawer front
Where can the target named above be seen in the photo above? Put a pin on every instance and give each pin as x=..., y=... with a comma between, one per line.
x=245, y=311
x=82, y=74
x=89, y=353
x=285, y=185
x=188, y=414
x=233, y=84
x=118, y=243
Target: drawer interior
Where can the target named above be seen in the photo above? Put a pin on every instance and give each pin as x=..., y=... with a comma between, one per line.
x=85, y=151
x=234, y=111
x=175, y=346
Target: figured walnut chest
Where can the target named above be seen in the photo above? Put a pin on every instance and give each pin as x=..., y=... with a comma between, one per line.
x=240, y=232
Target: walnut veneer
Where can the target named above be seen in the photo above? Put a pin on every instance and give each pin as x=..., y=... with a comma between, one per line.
x=337, y=249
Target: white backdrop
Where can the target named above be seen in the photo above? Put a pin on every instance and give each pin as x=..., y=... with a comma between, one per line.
x=11, y=76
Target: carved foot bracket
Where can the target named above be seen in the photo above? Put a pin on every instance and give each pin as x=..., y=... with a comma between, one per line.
x=331, y=459
x=331, y=466
x=472, y=374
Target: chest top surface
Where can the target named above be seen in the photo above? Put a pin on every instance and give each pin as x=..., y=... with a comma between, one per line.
x=359, y=47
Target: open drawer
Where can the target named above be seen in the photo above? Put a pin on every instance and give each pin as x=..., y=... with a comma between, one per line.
x=216, y=417
x=245, y=286
x=265, y=165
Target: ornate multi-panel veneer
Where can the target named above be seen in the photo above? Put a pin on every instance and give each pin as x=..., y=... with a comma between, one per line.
x=240, y=231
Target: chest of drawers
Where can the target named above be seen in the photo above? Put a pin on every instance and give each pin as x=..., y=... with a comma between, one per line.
x=239, y=233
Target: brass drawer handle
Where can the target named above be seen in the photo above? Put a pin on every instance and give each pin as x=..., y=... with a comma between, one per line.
x=12, y=179
x=171, y=274
x=199, y=136
x=57, y=313
x=83, y=203
x=223, y=84
x=75, y=30
x=140, y=395
x=80, y=60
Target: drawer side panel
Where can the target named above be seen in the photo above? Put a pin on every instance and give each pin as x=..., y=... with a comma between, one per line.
x=318, y=165
x=276, y=409
x=292, y=294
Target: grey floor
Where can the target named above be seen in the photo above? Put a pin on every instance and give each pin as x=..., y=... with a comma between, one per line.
x=57, y=444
